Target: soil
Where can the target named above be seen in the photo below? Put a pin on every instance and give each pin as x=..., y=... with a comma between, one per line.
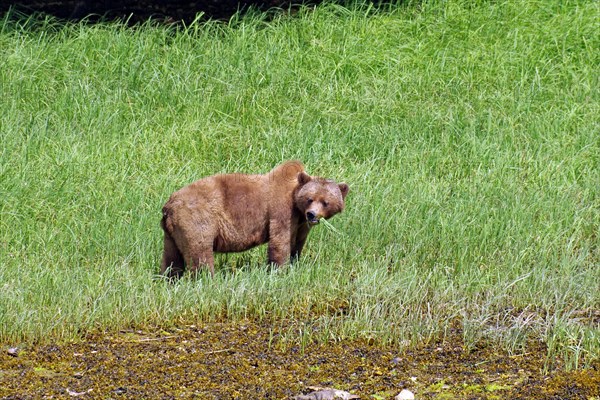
x=246, y=360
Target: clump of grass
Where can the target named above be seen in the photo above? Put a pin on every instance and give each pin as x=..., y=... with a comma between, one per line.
x=468, y=134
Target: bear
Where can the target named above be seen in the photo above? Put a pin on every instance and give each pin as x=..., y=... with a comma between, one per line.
x=236, y=212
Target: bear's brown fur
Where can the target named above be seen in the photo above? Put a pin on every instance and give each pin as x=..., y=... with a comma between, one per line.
x=235, y=212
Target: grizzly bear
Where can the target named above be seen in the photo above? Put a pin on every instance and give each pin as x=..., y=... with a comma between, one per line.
x=235, y=212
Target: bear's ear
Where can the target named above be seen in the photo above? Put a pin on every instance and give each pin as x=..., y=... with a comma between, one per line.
x=303, y=178
x=344, y=189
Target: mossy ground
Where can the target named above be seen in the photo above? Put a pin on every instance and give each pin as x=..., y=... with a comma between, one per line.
x=251, y=361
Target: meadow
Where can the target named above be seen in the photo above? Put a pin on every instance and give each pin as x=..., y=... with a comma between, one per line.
x=468, y=131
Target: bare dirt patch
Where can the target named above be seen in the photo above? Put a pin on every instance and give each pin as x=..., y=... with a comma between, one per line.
x=250, y=361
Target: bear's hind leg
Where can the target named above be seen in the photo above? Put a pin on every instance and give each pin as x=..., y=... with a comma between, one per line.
x=201, y=256
x=172, y=264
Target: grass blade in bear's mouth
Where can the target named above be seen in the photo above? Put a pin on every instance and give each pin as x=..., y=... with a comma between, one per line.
x=331, y=227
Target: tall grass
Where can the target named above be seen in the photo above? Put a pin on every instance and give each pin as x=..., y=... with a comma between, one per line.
x=468, y=132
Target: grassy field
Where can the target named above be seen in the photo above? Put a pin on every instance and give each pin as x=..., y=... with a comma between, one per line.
x=469, y=133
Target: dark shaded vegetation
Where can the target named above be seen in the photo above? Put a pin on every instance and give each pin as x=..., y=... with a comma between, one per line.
x=137, y=11
x=248, y=360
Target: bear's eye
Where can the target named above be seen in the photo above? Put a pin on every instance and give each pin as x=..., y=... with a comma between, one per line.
x=325, y=204
x=309, y=201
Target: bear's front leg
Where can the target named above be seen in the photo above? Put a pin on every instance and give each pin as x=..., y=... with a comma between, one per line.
x=301, y=236
x=280, y=243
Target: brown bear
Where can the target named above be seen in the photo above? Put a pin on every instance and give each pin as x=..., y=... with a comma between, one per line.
x=235, y=212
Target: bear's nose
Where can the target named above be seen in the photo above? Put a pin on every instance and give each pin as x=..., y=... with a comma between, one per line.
x=311, y=216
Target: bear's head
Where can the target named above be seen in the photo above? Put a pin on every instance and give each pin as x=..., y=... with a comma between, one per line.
x=318, y=198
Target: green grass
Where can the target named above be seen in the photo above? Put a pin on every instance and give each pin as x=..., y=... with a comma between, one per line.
x=469, y=133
